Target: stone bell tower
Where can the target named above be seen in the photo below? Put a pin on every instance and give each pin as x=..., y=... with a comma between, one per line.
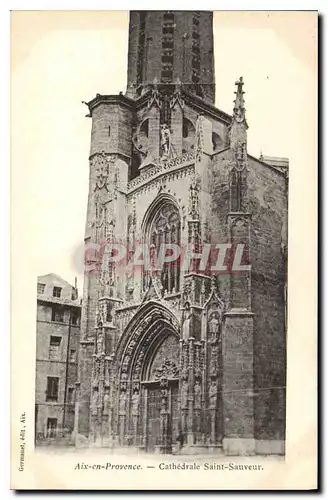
x=168, y=47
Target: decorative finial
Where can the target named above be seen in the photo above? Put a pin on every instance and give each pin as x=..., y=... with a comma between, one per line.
x=239, y=103
x=155, y=82
x=238, y=127
x=213, y=284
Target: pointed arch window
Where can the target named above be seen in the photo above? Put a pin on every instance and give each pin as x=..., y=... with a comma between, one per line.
x=164, y=228
x=237, y=190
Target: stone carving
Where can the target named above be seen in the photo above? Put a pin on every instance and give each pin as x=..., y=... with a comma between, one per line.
x=122, y=403
x=194, y=197
x=198, y=368
x=166, y=144
x=187, y=291
x=198, y=395
x=126, y=363
x=186, y=329
x=123, y=385
x=213, y=394
x=135, y=403
x=164, y=395
x=177, y=97
x=202, y=293
x=186, y=362
x=106, y=402
x=96, y=371
x=154, y=314
x=174, y=164
x=100, y=343
x=184, y=394
x=94, y=401
x=214, y=361
x=168, y=370
x=238, y=128
x=213, y=326
x=173, y=303
x=101, y=164
x=239, y=110
x=194, y=233
x=155, y=98
x=102, y=175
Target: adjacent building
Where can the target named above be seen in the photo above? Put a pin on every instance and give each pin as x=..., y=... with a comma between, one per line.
x=57, y=344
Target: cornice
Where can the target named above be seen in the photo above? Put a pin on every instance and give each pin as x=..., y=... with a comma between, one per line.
x=205, y=107
x=119, y=99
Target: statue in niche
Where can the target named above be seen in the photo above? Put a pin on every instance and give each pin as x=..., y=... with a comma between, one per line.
x=213, y=394
x=165, y=139
x=213, y=326
x=198, y=395
x=106, y=402
x=194, y=199
x=214, y=360
x=122, y=403
x=100, y=343
x=186, y=322
x=135, y=403
x=184, y=394
x=164, y=399
x=94, y=401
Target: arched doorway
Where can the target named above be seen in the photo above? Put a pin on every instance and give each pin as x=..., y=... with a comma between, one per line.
x=148, y=410
x=160, y=391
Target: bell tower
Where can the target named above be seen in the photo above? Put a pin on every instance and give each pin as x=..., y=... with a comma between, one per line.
x=171, y=47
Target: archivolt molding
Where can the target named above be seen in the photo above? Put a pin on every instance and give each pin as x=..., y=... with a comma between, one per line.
x=151, y=319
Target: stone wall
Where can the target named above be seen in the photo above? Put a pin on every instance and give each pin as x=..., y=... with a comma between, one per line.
x=267, y=200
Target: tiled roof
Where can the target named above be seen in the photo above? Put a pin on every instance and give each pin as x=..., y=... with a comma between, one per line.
x=57, y=300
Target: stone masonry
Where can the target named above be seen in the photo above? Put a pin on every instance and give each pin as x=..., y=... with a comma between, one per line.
x=181, y=354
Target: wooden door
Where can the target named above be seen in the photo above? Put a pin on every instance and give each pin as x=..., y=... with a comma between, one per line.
x=154, y=438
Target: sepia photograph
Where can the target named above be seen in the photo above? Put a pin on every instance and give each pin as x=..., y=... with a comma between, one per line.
x=161, y=146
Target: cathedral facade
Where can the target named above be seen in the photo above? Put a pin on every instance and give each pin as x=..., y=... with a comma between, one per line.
x=190, y=353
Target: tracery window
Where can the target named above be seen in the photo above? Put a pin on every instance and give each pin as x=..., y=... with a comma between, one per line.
x=164, y=228
x=237, y=190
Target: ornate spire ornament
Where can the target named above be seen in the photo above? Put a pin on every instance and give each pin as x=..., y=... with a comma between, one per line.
x=177, y=98
x=238, y=128
x=155, y=97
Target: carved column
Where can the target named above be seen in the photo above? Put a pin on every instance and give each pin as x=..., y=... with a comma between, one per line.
x=176, y=105
x=212, y=326
x=145, y=417
x=197, y=393
x=190, y=418
x=165, y=417
x=122, y=413
x=135, y=408
x=184, y=386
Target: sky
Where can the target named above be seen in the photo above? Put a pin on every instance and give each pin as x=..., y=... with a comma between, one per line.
x=59, y=59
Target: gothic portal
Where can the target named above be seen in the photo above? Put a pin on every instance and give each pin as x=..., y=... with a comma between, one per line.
x=174, y=352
